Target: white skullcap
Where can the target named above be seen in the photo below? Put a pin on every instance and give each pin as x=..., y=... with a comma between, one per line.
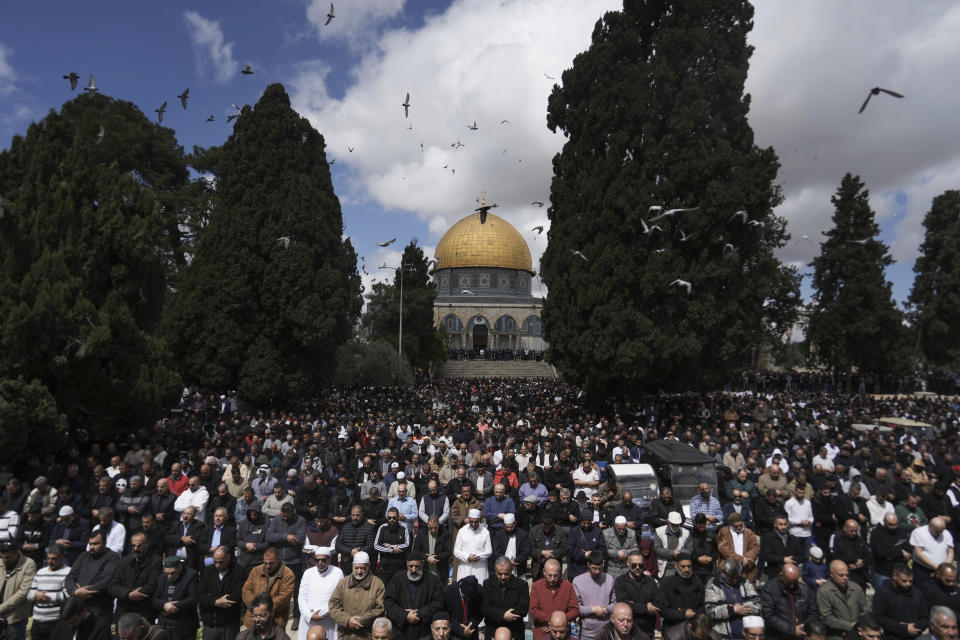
x=322, y=551
x=509, y=518
x=622, y=519
x=401, y=475
x=752, y=622
x=66, y=510
x=361, y=557
x=675, y=518
x=474, y=513
x=816, y=552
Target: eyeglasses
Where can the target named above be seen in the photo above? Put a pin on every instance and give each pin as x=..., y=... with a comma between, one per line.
x=636, y=565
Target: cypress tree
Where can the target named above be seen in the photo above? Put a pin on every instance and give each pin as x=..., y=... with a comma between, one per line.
x=272, y=288
x=936, y=289
x=655, y=114
x=854, y=322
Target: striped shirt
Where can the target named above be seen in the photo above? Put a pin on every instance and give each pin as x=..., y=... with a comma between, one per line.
x=9, y=526
x=52, y=583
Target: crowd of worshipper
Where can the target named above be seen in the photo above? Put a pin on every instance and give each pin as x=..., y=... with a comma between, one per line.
x=489, y=508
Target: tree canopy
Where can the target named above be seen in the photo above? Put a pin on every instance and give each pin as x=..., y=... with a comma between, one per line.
x=854, y=322
x=272, y=288
x=655, y=115
x=87, y=239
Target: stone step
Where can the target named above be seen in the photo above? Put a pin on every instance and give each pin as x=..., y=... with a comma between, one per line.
x=495, y=369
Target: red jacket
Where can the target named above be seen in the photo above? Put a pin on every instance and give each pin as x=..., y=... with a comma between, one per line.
x=543, y=602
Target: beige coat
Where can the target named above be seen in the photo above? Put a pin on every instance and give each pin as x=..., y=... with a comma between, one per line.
x=364, y=600
x=15, y=606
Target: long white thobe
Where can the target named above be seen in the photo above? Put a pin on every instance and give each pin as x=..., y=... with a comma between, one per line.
x=473, y=542
x=314, y=597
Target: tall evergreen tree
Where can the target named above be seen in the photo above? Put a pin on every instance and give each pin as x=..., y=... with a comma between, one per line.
x=272, y=289
x=87, y=234
x=936, y=289
x=423, y=343
x=854, y=322
x=655, y=115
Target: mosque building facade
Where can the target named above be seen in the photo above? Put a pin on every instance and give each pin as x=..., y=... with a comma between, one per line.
x=484, y=278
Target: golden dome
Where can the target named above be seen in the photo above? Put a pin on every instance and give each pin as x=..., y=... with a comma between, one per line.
x=495, y=243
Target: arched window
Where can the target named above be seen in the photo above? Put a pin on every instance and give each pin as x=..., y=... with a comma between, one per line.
x=533, y=326
x=505, y=324
x=452, y=324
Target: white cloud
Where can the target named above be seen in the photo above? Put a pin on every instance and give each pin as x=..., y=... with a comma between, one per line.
x=213, y=53
x=354, y=22
x=8, y=76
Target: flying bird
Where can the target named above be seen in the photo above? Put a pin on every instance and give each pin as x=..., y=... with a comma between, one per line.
x=330, y=16
x=247, y=71
x=73, y=77
x=230, y=118
x=101, y=134
x=807, y=238
x=538, y=229
x=538, y=203
x=406, y=107
x=656, y=207
x=860, y=242
x=285, y=241
x=421, y=146
x=473, y=127
x=740, y=214
x=647, y=229
x=755, y=223
x=682, y=283
x=387, y=243
x=466, y=292
x=504, y=122
x=91, y=86
x=876, y=91
x=670, y=212
x=729, y=248
x=410, y=127
x=548, y=77
x=184, y=96
x=684, y=236
x=483, y=209
x=579, y=254
x=210, y=119
x=350, y=149
x=161, y=111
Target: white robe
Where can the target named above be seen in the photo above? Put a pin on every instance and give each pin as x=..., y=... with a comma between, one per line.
x=314, y=597
x=473, y=542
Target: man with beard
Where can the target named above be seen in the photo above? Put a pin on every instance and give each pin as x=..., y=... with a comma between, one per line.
x=316, y=588
x=357, y=535
x=433, y=503
x=182, y=537
x=546, y=543
x=497, y=506
x=463, y=602
x=374, y=509
x=824, y=518
x=788, y=604
x=581, y=541
x=90, y=576
x=671, y=540
x=729, y=599
x=900, y=609
x=412, y=598
x=252, y=538
x=766, y=511
x=264, y=627
x=663, y=507
x=551, y=594
x=596, y=595
x=629, y=510
x=132, y=504
x=161, y=504
x=942, y=590
x=247, y=501
x=274, y=578
x=565, y=510
x=890, y=546
x=220, y=596
x=472, y=548
x=392, y=542
x=737, y=541
x=682, y=593
x=287, y=532
x=320, y=533
x=512, y=543
x=850, y=547
x=505, y=599
x=778, y=548
x=703, y=548
x=641, y=593
x=840, y=601
x=135, y=579
x=222, y=499
x=357, y=601
x=15, y=580
x=175, y=600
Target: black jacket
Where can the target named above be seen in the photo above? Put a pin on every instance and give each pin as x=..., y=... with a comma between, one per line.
x=579, y=544
x=498, y=544
x=887, y=547
x=765, y=513
x=211, y=587
x=843, y=548
x=453, y=595
x=556, y=543
x=935, y=594
x=351, y=537
x=680, y=596
x=443, y=548
x=228, y=539
x=660, y=511
x=95, y=573
x=427, y=601
x=255, y=532
x=894, y=609
x=388, y=538
x=703, y=544
x=783, y=611
x=183, y=592
x=773, y=550
x=637, y=594
x=173, y=540
x=130, y=575
x=498, y=599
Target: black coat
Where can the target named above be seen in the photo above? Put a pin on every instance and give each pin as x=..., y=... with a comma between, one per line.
x=935, y=594
x=556, y=543
x=888, y=547
x=196, y=530
x=579, y=544
x=228, y=539
x=255, y=532
x=765, y=513
x=351, y=537
x=130, y=575
x=843, y=548
x=211, y=587
x=77, y=536
x=443, y=548
x=772, y=551
x=678, y=597
x=427, y=601
x=498, y=544
x=704, y=544
x=453, y=596
x=498, y=599
x=782, y=612
x=183, y=592
x=637, y=595
x=894, y=609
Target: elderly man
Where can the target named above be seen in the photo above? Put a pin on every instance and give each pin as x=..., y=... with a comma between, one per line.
x=357, y=601
x=549, y=595
x=220, y=595
x=183, y=537
x=434, y=503
x=850, y=547
x=932, y=545
x=788, y=604
x=840, y=601
x=356, y=535
x=406, y=508
x=274, y=578
x=506, y=600
x=670, y=541
x=943, y=624
x=316, y=587
x=434, y=543
x=288, y=532
x=175, y=599
x=115, y=532
x=622, y=625
x=707, y=504
x=512, y=542
x=737, y=541
x=497, y=506
x=729, y=599
x=696, y=627
x=472, y=548
x=412, y=598
x=195, y=496
x=263, y=618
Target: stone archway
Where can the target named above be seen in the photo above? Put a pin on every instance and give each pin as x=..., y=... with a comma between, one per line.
x=480, y=335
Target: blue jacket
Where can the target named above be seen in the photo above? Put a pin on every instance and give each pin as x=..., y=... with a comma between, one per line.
x=813, y=572
x=493, y=508
x=579, y=544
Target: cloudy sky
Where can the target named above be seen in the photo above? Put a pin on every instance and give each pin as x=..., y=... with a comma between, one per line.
x=491, y=62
